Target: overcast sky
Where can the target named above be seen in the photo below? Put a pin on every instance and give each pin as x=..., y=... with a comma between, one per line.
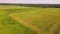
x=31, y=1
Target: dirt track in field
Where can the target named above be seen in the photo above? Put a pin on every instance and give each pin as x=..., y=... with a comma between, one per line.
x=30, y=26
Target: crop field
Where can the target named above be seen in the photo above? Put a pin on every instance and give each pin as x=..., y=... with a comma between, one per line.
x=45, y=20
x=29, y=20
x=10, y=26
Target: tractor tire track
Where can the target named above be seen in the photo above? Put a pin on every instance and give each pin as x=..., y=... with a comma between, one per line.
x=28, y=25
x=54, y=27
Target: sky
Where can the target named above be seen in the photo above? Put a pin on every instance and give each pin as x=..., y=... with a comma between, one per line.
x=31, y=1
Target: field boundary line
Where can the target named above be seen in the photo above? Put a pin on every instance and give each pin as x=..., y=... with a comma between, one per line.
x=54, y=27
x=28, y=25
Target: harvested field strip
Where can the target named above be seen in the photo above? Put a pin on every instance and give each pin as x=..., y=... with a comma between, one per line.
x=30, y=26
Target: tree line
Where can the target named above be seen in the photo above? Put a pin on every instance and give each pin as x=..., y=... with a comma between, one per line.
x=37, y=5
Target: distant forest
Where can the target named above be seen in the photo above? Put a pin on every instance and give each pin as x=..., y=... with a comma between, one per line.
x=37, y=5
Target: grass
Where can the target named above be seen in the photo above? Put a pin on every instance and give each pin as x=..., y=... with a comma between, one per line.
x=9, y=26
x=46, y=19
x=42, y=18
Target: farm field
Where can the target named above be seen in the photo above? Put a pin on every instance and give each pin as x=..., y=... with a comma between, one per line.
x=47, y=20
x=10, y=26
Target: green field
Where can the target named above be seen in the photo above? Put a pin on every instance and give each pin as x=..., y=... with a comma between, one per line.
x=9, y=26
x=46, y=19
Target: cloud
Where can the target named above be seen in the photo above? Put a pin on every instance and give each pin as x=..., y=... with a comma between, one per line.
x=31, y=1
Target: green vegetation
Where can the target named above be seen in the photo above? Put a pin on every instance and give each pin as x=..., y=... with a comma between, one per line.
x=46, y=19
x=42, y=18
x=9, y=26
